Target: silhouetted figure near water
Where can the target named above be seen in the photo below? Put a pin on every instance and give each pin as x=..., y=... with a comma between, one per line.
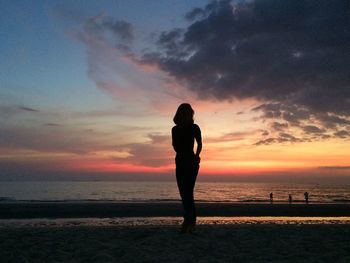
x=271, y=197
x=306, y=195
x=187, y=162
x=290, y=199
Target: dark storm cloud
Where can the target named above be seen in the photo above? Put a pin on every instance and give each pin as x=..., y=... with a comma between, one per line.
x=331, y=121
x=195, y=13
x=292, y=55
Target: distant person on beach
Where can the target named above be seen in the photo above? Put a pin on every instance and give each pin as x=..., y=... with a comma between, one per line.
x=187, y=162
x=271, y=197
x=306, y=195
x=290, y=198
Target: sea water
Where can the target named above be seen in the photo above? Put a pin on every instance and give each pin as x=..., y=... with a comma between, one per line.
x=167, y=191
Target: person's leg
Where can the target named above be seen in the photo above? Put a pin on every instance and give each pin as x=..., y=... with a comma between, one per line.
x=192, y=183
x=188, y=199
x=186, y=175
x=183, y=190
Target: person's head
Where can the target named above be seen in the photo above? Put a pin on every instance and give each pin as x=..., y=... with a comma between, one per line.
x=184, y=115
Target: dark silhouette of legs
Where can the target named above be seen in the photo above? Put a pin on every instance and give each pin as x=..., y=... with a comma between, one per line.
x=186, y=175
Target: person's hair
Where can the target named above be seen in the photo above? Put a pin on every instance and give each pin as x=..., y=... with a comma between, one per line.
x=184, y=115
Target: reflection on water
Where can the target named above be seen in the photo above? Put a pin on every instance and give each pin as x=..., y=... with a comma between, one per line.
x=167, y=191
x=170, y=221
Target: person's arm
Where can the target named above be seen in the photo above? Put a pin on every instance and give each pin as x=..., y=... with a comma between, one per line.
x=199, y=147
x=174, y=141
x=198, y=137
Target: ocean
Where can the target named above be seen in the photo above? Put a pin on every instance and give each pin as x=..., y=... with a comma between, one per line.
x=167, y=191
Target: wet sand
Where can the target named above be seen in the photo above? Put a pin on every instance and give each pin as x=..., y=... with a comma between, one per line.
x=10, y=210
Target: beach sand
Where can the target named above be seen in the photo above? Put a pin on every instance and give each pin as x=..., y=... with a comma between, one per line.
x=157, y=239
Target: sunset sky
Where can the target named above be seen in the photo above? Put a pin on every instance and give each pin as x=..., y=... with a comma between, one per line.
x=88, y=89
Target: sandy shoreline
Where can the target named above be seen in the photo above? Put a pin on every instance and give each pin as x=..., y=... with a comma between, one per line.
x=149, y=232
x=163, y=243
x=168, y=221
x=13, y=210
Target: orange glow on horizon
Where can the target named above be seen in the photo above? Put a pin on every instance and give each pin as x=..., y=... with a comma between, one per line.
x=110, y=166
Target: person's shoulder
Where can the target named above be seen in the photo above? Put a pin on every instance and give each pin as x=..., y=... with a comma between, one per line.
x=174, y=128
x=196, y=130
x=195, y=126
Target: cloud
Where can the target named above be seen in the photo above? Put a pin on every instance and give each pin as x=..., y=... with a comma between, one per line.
x=61, y=139
x=119, y=27
x=27, y=109
x=154, y=153
x=342, y=134
x=111, y=46
x=277, y=126
x=290, y=55
x=108, y=41
x=264, y=133
x=335, y=167
x=7, y=111
x=105, y=28
x=69, y=132
x=230, y=137
x=281, y=138
x=51, y=124
x=313, y=129
x=114, y=66
x=195, y=13
x=80, y=139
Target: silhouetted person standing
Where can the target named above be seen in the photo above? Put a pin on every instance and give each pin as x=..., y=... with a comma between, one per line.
x=187, y=162
x=271, y=197
x=306, y=195
x=290, y=198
